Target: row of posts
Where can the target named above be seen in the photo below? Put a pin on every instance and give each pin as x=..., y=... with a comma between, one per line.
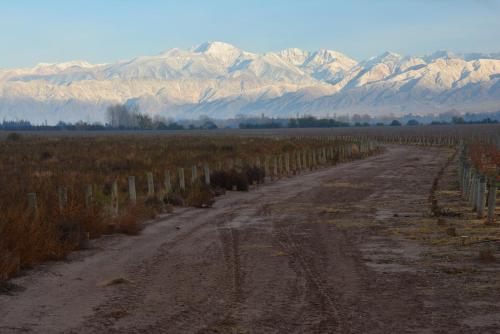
x=296, y=162
x=282, y=165
x=63, y=191
x=413, y=140
x=475, y=186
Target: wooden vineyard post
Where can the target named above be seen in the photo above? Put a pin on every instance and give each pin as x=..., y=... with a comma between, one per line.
x=151, y=185
x=299, y=167
x=476, y=195
x=32, y=204
x=206, y=172
x=471, y=187
x=280, y=166
x=287, y=164
x=266, y=167
x=464, y=179
x=257, y=162
x=480, y=196
x=131, y=189
x=167, y=182
x=492, y=200
x=114, y=198
x=89, y=197
x=275, y=168
x=467, y=182
x=182, y=183
x=62, y=193
x=194, y=174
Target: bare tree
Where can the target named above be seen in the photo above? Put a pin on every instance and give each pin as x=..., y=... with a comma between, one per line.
x=121, y=115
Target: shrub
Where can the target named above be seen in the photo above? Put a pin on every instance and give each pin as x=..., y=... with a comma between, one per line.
x=154, y=204
x=200, y=196
x=14, y=137
x=42, y=164
x=127, y=224
x=255, y=174
x=9, y=264
x=174, y=199
x=230, y=179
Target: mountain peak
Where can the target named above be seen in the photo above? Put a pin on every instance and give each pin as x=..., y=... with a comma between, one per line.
x=66, y=65
x=325, y=56
x=215, y=48
x=388, y=55
x=440, y=54
x=295, y=56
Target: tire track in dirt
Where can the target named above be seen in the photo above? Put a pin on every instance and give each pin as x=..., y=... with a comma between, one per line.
x=327, y=317
x=230, y=241
x=144, y=274
x=295, y=249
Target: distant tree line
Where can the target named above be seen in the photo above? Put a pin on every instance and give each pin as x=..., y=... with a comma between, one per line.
x=128, y=117
x=26, y=125
x=270, y=125
x=122, y=116
x=119, y=117
x=312, y=122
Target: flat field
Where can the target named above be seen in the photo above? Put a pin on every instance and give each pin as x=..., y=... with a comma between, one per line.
x=349, y=246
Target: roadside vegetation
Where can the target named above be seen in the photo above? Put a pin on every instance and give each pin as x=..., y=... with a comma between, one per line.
x=58, y=192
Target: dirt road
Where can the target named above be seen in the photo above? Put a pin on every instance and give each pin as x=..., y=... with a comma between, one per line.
x=310, y=254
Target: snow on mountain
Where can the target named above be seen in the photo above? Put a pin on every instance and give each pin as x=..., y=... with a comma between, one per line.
x=325, y=65
x=221, y=80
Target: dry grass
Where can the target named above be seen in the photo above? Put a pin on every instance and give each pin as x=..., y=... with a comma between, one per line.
x=42, y=165
x=126, y=224
x=280, y=253
x=346, y=224
x=333, y=210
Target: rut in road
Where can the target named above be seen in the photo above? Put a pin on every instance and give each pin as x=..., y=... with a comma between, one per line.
x=273, y=260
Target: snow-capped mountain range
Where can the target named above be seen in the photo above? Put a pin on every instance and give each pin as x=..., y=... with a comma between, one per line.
x=220, y=80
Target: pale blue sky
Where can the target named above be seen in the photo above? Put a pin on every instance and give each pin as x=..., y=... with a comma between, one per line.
x=33, y=31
